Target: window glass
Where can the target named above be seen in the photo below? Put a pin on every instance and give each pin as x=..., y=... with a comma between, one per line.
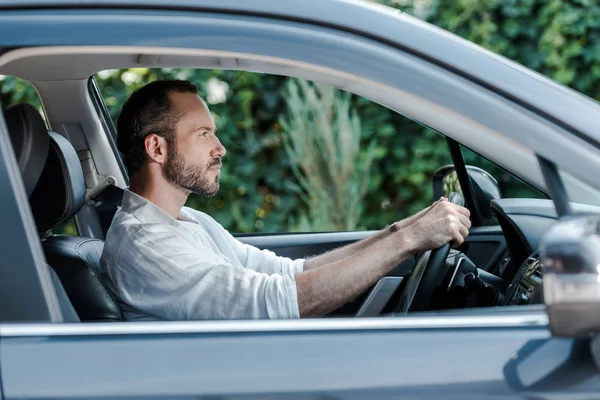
x=489, y=181
x=67, y=227
x=301, y=157
x=510, y=186
x=14, y=90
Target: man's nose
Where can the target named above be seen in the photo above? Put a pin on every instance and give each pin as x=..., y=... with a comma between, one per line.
x=219, y=150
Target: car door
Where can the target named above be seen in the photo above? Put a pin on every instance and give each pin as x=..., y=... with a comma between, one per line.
x=41, y=356
x=441, y=356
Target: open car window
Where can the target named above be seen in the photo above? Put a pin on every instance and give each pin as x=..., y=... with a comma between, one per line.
x=306, y=157
x=301, y=157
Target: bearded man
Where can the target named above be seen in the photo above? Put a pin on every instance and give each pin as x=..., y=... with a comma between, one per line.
x=164, y=261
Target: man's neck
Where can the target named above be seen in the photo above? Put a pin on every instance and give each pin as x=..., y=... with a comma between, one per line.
x=166, y=196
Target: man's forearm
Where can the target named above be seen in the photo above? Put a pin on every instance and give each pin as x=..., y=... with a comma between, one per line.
x=346, y=251
x=324, y=289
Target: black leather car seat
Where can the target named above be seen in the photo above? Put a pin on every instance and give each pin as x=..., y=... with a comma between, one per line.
x=58, y=196
x=30, y=142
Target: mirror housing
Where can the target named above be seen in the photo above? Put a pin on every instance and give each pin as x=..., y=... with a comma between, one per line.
x=485, y=186
x=571, y=282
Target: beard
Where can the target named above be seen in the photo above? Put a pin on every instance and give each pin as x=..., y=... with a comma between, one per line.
x=191, y=177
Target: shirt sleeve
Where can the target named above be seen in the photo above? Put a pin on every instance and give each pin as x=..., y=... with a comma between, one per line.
x=264, y=261
x=159, y=273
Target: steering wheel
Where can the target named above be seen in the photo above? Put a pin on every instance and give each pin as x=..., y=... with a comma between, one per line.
x=427, y=275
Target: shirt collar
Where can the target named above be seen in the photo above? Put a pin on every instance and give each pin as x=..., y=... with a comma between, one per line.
x=146, y=211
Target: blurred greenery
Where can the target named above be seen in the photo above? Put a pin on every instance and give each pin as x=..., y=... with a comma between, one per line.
x=259, y=189
x=451, y=184
x=322, y=138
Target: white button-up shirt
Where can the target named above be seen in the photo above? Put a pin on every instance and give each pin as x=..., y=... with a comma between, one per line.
x=191, y=268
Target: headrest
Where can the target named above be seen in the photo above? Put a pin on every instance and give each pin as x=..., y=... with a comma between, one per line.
x=60, y=192
x=29, y=137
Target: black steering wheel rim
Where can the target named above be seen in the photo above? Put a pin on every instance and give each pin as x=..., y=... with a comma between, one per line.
x=427, y=275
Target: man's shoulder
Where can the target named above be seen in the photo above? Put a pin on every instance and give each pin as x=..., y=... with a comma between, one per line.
x=126, y=229
x=198, y=216
x=123, y=228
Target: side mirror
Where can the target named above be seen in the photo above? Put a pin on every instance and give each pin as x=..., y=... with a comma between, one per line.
x=485, y=187
x=571, y=282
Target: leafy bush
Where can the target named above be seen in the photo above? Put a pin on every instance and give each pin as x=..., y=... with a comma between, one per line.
x=322, y=140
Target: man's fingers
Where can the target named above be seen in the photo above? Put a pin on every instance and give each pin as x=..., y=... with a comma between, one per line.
x=459, y=235
x=464, y=232
x=463, y=210
x=456, y=243
x=440, y=200
x=464, y=221
x=436, y=202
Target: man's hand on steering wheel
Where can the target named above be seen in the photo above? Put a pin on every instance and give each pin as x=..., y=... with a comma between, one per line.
x=447, y=223
x=444, y=222
x=413, y=218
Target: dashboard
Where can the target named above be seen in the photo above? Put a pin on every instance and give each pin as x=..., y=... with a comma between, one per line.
x=526, y=286
x=524, y=223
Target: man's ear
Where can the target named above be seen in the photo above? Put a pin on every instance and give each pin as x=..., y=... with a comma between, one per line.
x=156, y=148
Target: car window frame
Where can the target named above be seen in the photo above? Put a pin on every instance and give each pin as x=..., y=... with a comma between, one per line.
x=108, y=126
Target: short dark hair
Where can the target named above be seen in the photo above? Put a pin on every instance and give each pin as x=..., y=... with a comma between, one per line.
x=148, y=110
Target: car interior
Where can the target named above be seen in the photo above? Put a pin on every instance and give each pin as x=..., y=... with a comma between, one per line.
x=71, y=169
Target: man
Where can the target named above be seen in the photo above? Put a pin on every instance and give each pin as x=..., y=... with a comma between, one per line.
x=166, y=261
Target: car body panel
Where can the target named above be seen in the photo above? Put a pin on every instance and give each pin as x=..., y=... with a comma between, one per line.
x=399, y=356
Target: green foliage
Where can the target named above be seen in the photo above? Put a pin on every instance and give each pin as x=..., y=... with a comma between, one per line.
x=14, y=90
x=322, y=140
x=558, y=38
x=451, y=184
x=259, y=188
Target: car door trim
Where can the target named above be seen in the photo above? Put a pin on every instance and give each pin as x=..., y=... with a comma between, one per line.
x=526, y=316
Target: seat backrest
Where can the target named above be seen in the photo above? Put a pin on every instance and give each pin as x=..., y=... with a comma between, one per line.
x=76, y=261
x=58, y=196
x=30, y=142
x=66, y=307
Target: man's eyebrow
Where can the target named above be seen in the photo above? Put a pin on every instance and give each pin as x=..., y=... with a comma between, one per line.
x=208, y=128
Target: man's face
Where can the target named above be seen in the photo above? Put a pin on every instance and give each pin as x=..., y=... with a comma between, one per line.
x=194, y=157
